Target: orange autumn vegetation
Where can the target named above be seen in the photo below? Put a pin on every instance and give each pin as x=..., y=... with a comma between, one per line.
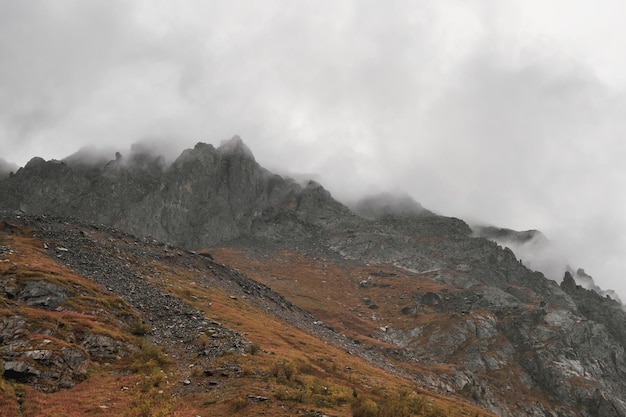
x=286, y=371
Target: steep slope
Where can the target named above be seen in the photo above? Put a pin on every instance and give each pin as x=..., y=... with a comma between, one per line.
x=521, y=347
x=411, y=290
x=96, y=321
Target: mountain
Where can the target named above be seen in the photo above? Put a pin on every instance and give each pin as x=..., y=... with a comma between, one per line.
x=386, y=284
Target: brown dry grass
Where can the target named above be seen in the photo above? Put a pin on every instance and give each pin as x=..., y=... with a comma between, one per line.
x=332, y=292
x=90, y=309
x=295, y=371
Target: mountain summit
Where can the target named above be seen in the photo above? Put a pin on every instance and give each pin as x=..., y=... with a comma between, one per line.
x=410, y=291
x=206, y=196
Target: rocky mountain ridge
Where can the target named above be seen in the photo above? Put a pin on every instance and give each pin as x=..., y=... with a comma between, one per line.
x=205, y=196
x=514, y=342
x=537, y=250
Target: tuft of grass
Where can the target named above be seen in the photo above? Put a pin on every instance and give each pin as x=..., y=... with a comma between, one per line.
x=239, y=403
x=297, y=395
x=139, y=328
x=149, y=358
x=203, y=340
x=284, y=370
x=365, y=408
x=253, y=349
x=401, y=406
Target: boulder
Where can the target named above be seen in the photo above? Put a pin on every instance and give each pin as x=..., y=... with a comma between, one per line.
x=47, y=368
x=104, y=347
x=43, y=294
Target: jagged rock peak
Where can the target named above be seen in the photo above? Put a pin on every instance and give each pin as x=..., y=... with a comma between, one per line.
x=235, y=146
x=569, y=284
x=314, y=185
x=34, y=162
x=41, y=167
x=586, y=281
x=201, y=146
x=200, y=152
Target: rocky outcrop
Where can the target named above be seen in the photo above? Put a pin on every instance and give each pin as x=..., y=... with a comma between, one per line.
x=44, y=361
x=43, y=342
x=540, y=254
x=42, y=294
x=592, y=306
x=586, y=281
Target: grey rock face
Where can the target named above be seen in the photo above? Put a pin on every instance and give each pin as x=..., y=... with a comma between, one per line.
x=206, y=196
x=44, y=363
x=43, y=294
x=567, y=342
x=105, y=347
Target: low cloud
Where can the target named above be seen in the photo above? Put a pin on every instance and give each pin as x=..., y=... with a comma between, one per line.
x=7, y=167
x=490, y=110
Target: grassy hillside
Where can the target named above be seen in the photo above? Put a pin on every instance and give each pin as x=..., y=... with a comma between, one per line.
x=283, y=371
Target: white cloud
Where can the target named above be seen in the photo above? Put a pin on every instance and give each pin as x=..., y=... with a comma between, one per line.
x=506, y=111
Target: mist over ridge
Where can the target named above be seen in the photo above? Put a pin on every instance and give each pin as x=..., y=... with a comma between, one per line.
x=500, y=111
x=7, y=167
x=156, y=157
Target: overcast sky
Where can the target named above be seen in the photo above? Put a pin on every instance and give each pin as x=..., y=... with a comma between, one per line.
x=509, y=112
